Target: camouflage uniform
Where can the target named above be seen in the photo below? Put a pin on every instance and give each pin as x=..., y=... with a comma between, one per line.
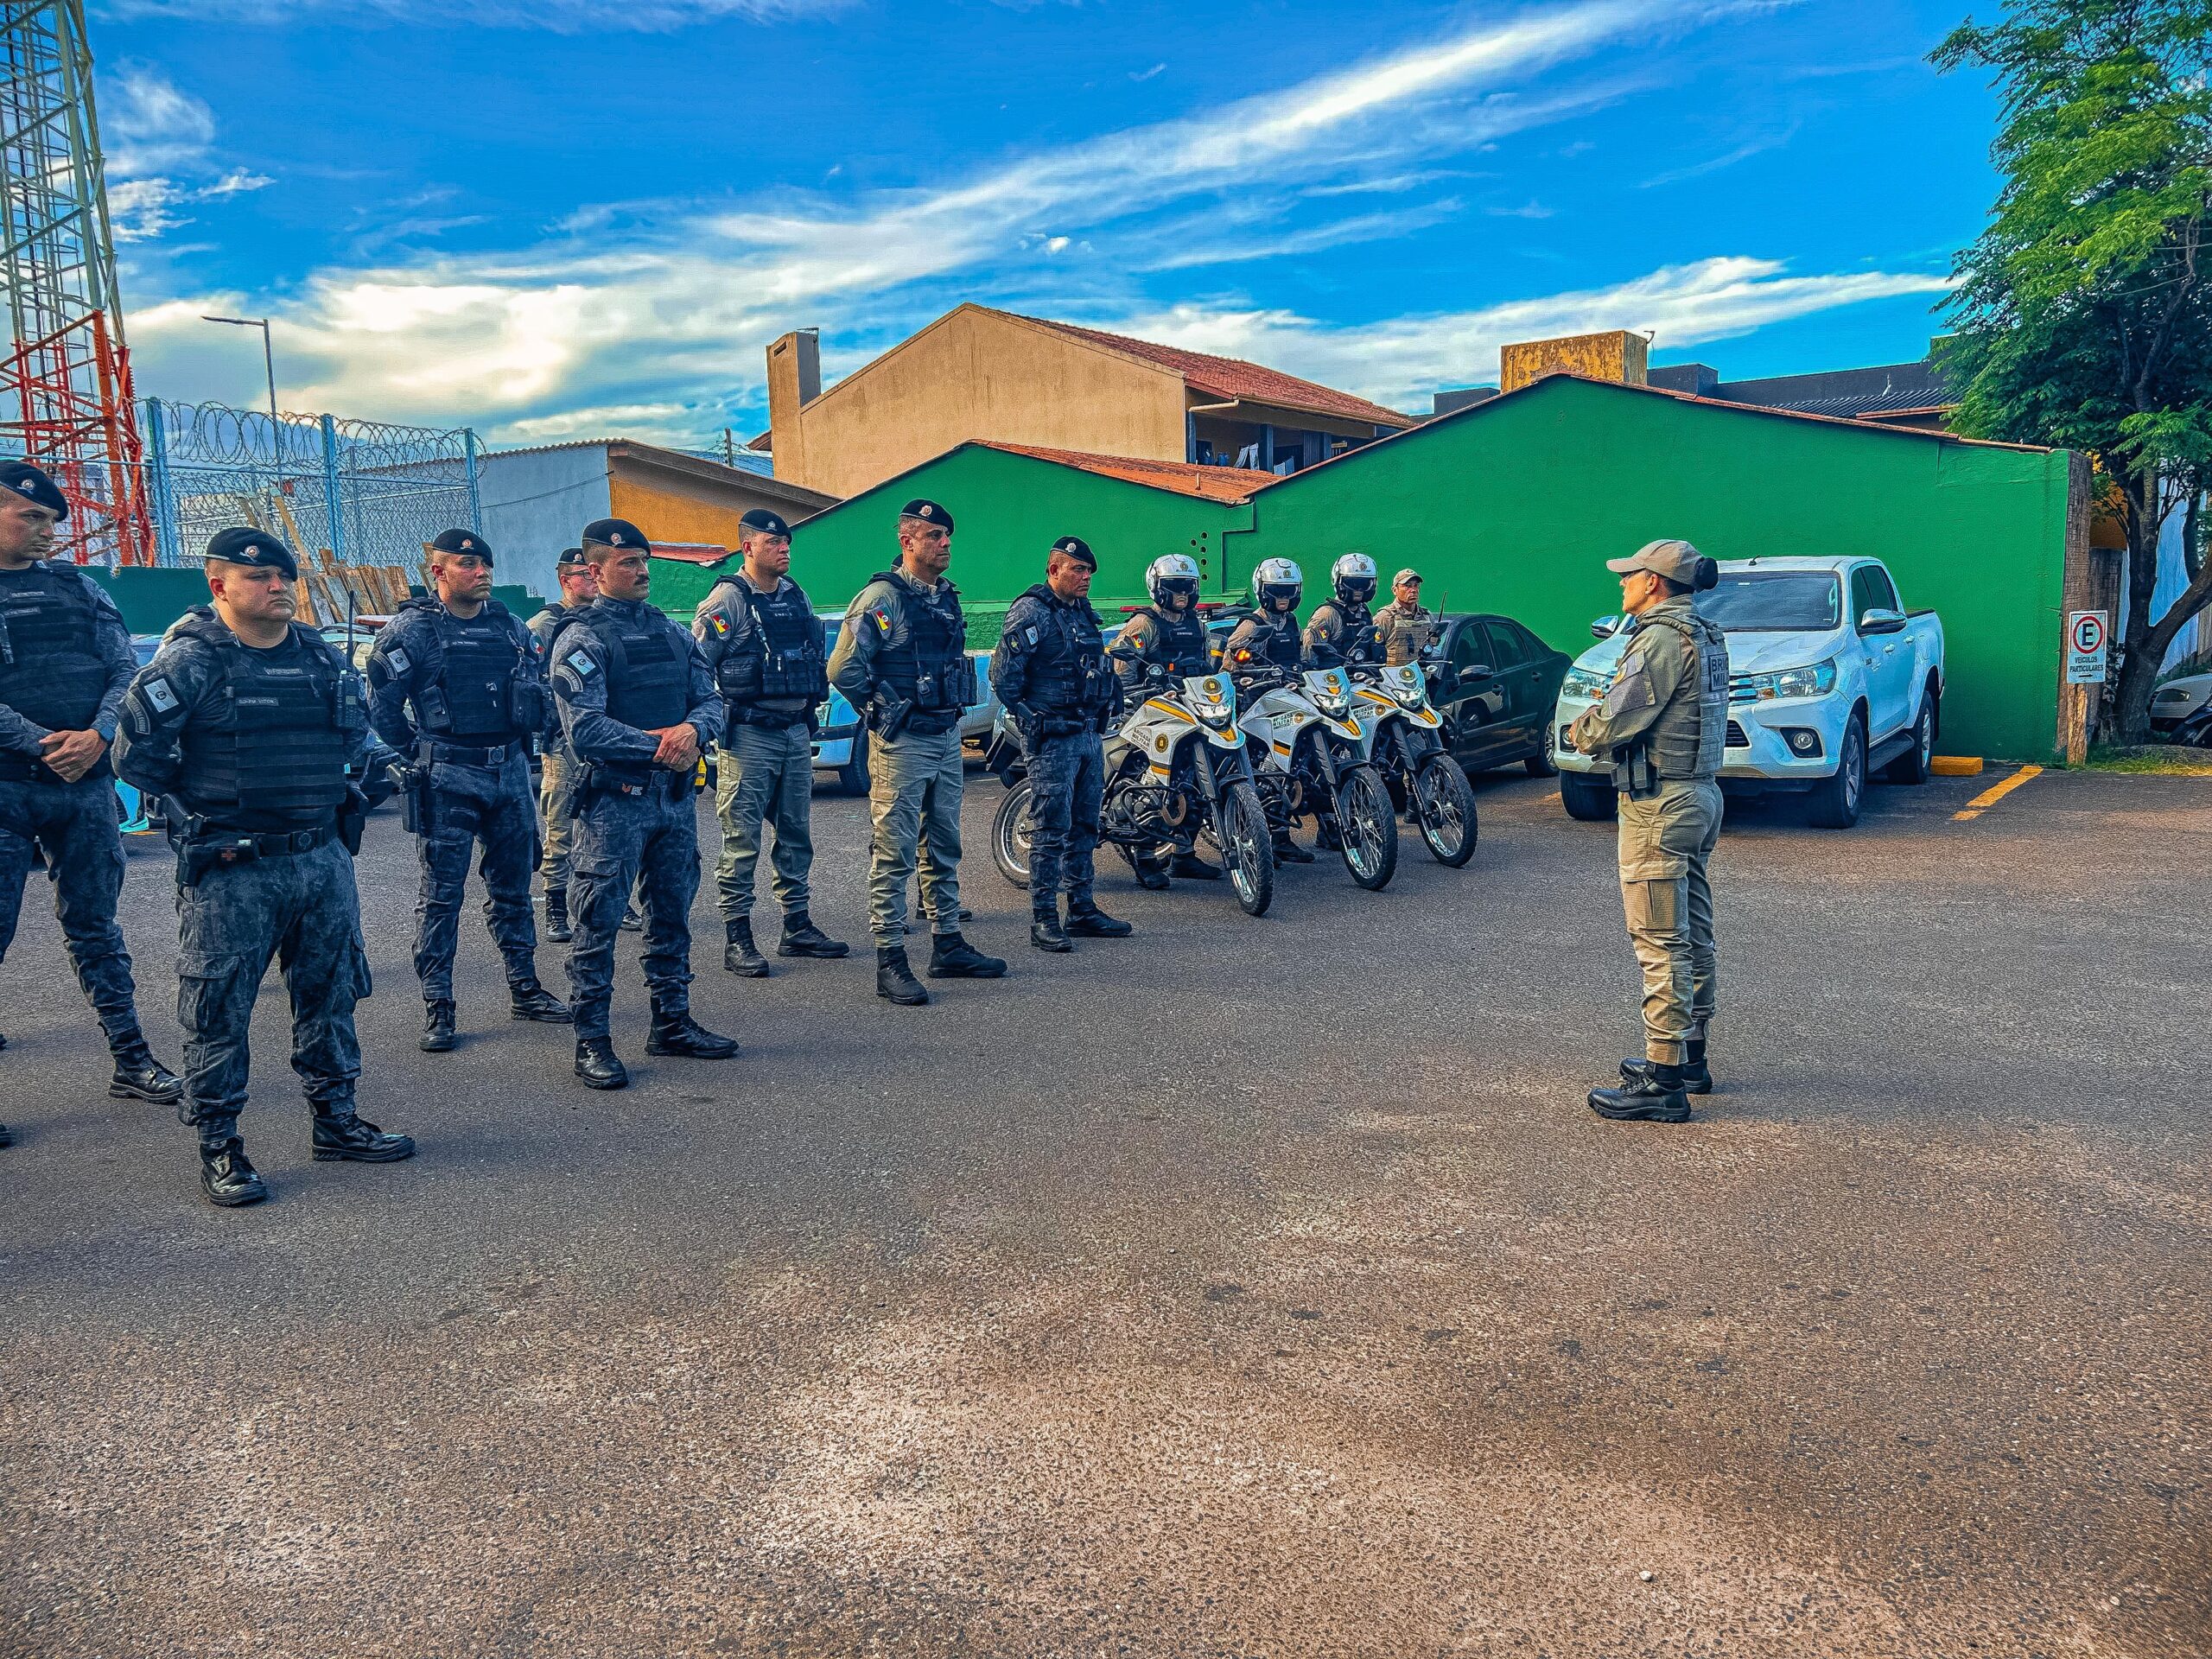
x=620, y=669
x=65, y=663
x=465, y=698
x=1664, y=720
x=556, y=810
x=912, y=692
x=1408, y=630
x=280, y=783
x=1338, y=633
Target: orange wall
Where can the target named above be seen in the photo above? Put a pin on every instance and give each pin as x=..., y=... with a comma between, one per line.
x=670, y=507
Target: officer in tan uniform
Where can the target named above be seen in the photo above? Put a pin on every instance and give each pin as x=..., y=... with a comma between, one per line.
x=1407, y=629
x=1663, y=722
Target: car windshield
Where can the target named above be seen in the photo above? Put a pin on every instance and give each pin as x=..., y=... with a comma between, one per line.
x=1780, y=601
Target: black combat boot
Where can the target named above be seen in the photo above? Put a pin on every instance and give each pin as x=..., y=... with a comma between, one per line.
x=341, y=1136
x=740, y=956
x=528, y=999
x=633, y=921
x=1087, y=921
x=1654, y=1095
x=953, y=957
x=556, y=916
x=1152, y=876
x=1289, y=852
x=437, y=1028
x=1189, y=866
x=895, y=980
x=7, y=1135
x=1045, y=932
x=676, y=1033
x=139, y=1076
x=597, y=1065
x=225, y=1175
x=1697, y=1076
x=803, y=938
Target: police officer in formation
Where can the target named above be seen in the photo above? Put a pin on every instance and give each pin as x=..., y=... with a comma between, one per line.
x=1663, y=722
x=579, y=582
x=1342, y=628
x=902, y=661
x=65, y=663
x=758, y=631
x=254, y=728
x=1267, y=638
x=1049, y=673
x=1167, y=637
x=456, y=684
x=1407, y=629
x=637, y=702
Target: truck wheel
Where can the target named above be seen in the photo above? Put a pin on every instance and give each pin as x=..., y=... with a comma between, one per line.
x=1834, y=803
x=1912, y=766
x=1541, y=764
x=1587, y=800
x=853, y=776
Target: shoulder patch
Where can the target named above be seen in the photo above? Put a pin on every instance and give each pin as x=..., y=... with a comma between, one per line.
x=1030, y=634
x=582, y=664
x=881, y=619
x=159, y=693
x=398, y=660
x=719, y=622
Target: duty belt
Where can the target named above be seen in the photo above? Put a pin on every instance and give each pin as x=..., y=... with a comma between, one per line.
x=453, y=754
x=273, y=844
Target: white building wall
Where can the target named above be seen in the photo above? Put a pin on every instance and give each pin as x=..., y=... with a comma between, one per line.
x=535, y=502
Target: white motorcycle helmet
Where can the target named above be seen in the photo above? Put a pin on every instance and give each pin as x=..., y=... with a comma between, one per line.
x=1277, y=579
x=1172, y=573
x=1354, y=578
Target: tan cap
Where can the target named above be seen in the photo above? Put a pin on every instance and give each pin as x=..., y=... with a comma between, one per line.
x=1675, y=560
x=1405, y=575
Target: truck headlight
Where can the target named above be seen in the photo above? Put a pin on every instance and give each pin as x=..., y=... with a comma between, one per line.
x=1815, y=680
x=1584, y=683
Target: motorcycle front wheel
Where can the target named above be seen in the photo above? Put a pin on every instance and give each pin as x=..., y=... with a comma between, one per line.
x=1367, y=824
x=1247, y=849
x=1444, y=803
x=1010, y=834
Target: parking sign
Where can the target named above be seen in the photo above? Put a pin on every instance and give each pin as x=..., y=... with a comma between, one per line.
x=2088, y=647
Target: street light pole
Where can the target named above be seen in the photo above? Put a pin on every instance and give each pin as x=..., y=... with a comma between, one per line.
x=276, y=422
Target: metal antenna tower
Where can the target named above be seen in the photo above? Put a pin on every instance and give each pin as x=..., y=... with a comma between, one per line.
x=66, y=395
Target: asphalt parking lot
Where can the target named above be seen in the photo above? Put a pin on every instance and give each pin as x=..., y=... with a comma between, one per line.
x=1248, y=1287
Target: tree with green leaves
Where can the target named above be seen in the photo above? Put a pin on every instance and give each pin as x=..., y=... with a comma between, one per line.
x=2083, y=313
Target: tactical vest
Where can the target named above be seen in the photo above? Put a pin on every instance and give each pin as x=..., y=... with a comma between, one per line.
x=480, y=673
x=1405, y=633
x=930, y=667
x=1274, y=639
x=781, y=659
x=1687, y=740
x=648, y=668
x=1355, y=637
x=1178, y=643
x=1067, y=665
x=50, y=668
x=269, y=749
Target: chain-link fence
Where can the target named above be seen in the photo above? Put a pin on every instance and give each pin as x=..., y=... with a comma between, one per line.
x=367, y=492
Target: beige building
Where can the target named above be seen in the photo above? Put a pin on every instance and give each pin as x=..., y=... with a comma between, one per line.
x=977, y=374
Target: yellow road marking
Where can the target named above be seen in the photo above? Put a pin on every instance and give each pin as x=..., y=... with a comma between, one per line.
x=1995, y=792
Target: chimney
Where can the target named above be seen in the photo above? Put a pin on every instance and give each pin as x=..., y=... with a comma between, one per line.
x=1615, y=355
x=794, y=381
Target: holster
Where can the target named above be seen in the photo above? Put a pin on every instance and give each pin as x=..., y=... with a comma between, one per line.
x=887, y=716
x=353, y=817
x=1634, y=774
x=196, y=858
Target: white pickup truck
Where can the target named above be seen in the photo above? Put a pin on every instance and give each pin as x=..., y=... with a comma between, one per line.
x=1829, y=679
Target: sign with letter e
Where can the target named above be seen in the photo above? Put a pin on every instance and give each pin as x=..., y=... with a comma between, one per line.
x=2088, y=647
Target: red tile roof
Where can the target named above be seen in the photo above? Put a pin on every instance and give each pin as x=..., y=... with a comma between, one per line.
x=701, y=553
x=1232, y=377
x=1183, y=477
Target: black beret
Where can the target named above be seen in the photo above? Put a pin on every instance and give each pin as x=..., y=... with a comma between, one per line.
x=616, y=533
x=33, y=485
x=763, y=521
x=917, y=508
x=463, y=541
x=571, y=556
x=243, y=544
x=1076, y=548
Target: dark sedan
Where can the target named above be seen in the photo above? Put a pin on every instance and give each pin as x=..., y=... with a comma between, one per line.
x=1495, y=686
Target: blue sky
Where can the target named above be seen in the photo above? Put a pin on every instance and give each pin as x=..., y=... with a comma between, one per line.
x=550, y=219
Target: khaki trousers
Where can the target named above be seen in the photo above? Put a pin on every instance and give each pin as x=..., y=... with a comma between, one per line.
x=1666, y=844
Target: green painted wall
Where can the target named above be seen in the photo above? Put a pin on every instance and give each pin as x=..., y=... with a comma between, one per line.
x=151, y=599
x=1513, y=505
x=1008, y=510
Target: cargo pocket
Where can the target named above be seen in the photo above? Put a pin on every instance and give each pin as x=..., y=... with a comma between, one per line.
x=358, y=965
x=212, y=990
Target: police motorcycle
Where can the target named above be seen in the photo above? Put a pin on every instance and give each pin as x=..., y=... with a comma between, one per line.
x=1309, y=755
x=1176, y=761
x=1400, y=731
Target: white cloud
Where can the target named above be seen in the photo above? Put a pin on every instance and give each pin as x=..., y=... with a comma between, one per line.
x=1343, y=233
x=1147, y=74
x=158, y=139
x=560, y=16
x=1401, y=360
